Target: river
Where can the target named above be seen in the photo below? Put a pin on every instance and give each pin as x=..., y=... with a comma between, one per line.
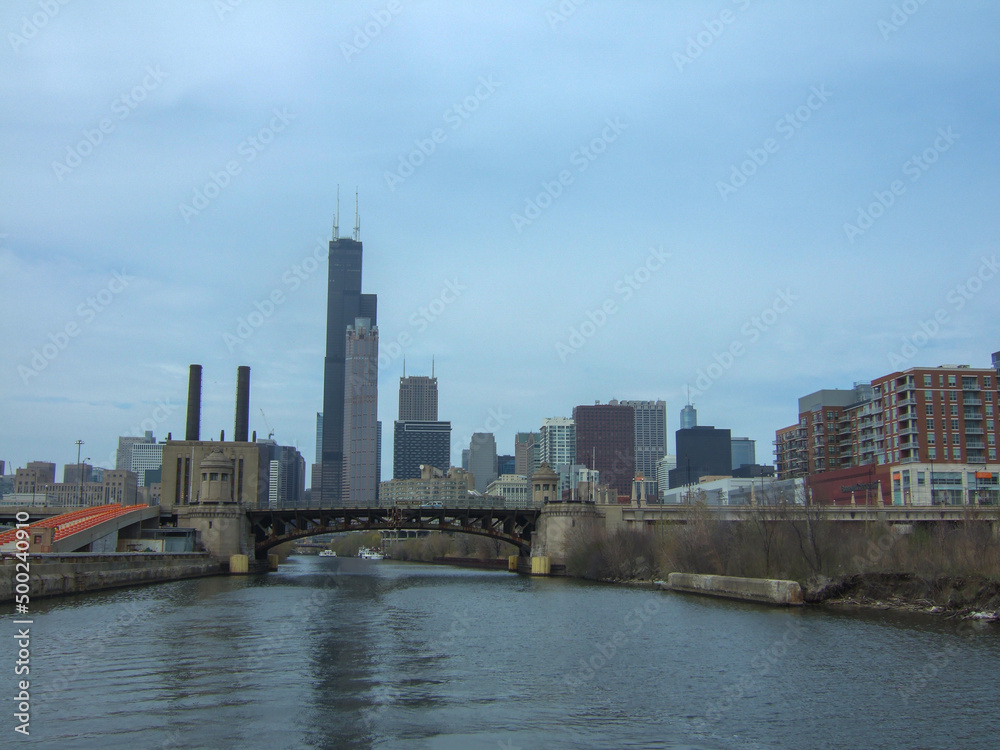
x=336, y=653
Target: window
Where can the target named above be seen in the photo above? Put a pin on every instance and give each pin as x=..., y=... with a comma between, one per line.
x=930, y=424
x=953, y=395
x=993, y=454
x=989, y=396
x=951, y=380
x=932, y=453
x=987, y=381
x=956, y=439
x=989, y=425
x=956, y=453
x=929, y=410
x=927, y=380
x=930, y=438
x=954, y=410
x=954, y=424
x=928, y=395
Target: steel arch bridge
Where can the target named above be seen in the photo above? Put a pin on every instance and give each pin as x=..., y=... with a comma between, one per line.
x=273, y=527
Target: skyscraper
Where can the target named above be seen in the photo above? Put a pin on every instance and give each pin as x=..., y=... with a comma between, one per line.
x=418, y=398
x=361, y=415
x=416, y=443
x=605, y=440
x=483, y=459
x=650, y=435
x=344, y=303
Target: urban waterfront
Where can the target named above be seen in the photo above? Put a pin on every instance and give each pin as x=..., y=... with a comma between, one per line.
x=345, y=653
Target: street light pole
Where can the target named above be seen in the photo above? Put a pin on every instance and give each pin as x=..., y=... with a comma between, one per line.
x=79, y=474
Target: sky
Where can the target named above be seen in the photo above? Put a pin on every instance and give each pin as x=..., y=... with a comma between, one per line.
x=560, y=203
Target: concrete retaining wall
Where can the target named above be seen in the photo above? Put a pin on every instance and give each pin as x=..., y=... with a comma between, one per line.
x=766, y=590
x=56, y=575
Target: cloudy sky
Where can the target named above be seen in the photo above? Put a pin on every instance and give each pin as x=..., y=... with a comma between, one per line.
x=560, y=203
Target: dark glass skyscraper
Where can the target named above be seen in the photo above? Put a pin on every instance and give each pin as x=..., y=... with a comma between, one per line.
x=344, y=303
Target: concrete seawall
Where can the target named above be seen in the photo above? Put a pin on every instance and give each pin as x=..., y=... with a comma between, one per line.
x=765, y=590
x=57, y=575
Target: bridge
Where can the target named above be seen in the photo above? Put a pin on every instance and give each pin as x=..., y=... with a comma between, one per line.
x=227, y=529
x=79, y=530
x=273, y=527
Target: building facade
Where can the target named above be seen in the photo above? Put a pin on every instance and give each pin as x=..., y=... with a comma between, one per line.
x=483, y=459
x=418, y=443
x=418, y=398
x=605, y=440
x=650, y=435
x=345, y=303
x=360, y=472
x=557, y=447
x=701, y=451
x=513, y=488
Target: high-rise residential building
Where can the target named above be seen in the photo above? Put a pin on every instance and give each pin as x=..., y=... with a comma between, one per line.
x=483, y=459
x=557, y=447
x=418, y=398
x=650, y=434
x=345, y=303
x=702, y=451
x=744, y=452
x=605, y=440
x=360, y=475
x=420, y=443
x=526, y=458
x=945, y=414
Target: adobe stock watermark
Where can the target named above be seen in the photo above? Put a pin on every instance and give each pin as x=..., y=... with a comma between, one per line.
x=750, y=333
x=122, y=106
x=420, y=320
x=562, y=12
x=702, y=40
x=901, y=14
x=86, y=311
x=957, y=298
x=581, y=158
x=224, y=7
x=454, y=117
x=632, y=623
x=265, y=308
x=31, y=25
x=915, y=167
x=371, y=30
x=249, y=149
x=496, y=418
x=787, y=126
x=624, y=289
x=160, y=413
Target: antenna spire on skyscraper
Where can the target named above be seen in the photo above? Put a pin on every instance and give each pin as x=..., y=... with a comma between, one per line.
x=357, y=218
x=336, y=218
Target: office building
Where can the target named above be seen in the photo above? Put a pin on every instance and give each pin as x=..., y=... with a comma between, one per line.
x=650, y=434
x=345, y=303
x=419, y=443
x=483, y=459
x=506, y=465
x=605, y=440
x=418, y=398
x=744, y=451
x=526, y=452
x=361, y=452
x=513, y=488
x=431, y=487
x=77, y=473
x=701, y=451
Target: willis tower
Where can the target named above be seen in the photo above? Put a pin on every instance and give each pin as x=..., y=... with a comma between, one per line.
x=344, y=303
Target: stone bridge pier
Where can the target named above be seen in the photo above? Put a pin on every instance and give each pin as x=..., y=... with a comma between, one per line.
x=558, y=524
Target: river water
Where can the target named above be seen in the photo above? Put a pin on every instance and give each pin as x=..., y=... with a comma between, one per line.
x=335, y=653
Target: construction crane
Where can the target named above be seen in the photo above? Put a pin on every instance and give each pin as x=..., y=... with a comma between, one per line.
x=270, y=435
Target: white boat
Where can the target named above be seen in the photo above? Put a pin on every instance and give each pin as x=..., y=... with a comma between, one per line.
x=328, y=553
x=369, y=554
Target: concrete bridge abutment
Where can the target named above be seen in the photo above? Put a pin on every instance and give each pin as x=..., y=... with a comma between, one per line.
x=557, y=526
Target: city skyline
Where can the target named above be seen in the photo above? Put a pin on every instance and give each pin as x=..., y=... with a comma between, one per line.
x=534, y=208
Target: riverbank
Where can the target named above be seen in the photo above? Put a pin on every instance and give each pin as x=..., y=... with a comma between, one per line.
x=966, y=597
x=58, y=575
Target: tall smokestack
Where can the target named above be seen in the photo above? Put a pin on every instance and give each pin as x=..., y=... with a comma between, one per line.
x=242, y=404
x=194, y=404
